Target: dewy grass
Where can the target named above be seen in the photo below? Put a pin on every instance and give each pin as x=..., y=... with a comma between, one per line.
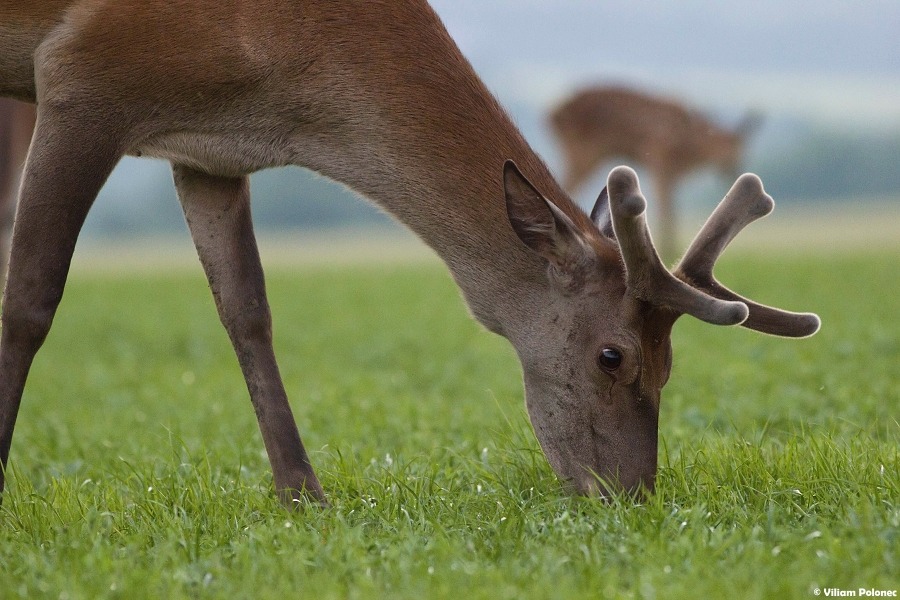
x=137, y=470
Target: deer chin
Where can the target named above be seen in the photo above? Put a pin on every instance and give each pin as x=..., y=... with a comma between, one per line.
x=597, y=449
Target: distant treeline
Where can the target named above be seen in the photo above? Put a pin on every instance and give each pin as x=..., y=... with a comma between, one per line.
x=820, y=165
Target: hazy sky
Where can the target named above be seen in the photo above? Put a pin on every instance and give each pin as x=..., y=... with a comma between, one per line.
x=826, y=60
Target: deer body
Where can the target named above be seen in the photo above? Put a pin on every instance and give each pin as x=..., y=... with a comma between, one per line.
x=373, y=94
x=596, y=125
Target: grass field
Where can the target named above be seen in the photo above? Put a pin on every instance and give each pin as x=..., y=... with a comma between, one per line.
x=137, y=468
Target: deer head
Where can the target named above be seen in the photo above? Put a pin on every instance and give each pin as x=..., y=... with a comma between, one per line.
x=594, y=370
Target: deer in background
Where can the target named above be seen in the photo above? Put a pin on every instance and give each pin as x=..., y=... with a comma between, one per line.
x=599, y=124
x=16, y=126
x=376, y=95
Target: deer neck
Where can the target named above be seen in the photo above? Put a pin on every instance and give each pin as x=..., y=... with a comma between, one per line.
x=453, y=199
x=432, y=153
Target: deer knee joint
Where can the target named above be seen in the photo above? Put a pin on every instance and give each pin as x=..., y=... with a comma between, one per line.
x=26, y=325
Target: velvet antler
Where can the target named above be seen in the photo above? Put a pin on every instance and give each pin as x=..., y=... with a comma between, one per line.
x=743, y=204
x=691, y=288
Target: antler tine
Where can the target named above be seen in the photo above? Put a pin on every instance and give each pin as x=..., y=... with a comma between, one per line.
x=744, y=203
x=647, y=278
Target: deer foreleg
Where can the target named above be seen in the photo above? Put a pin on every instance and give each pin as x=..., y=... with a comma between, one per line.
x=70, y=159
x=217, y=210
x=16, y=131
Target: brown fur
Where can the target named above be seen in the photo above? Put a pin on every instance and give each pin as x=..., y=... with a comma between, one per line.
x=16, y=125
x=371, y=93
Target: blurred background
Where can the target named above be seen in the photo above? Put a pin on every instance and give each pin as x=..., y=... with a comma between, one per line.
x=824, y=75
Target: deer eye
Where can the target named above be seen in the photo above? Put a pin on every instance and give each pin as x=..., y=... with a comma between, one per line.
x=610, y=359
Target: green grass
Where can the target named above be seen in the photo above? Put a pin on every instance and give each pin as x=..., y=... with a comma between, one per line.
x=137, y=469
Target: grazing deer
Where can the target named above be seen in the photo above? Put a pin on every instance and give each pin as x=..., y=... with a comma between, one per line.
x=600, y=124
x=374, y=94
x=16, y=125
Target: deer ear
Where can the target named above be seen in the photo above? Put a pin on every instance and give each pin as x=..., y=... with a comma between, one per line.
x=600, y=215
x=539, y=223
